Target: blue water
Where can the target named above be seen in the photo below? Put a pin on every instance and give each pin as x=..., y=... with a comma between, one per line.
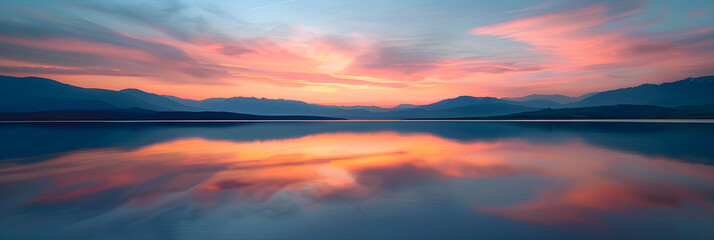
x=357, y=180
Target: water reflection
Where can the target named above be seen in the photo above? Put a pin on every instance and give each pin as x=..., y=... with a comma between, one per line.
x=352, y=181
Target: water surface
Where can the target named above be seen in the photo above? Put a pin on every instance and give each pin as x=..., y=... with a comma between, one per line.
x=356, y=180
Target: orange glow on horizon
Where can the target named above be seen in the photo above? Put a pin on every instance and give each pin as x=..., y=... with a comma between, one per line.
x=358, y=166
x=569, y=51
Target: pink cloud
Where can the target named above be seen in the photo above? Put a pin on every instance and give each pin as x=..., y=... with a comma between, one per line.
x=697, y=13
x=593, y=40
x=576, y=37
x=571, y=52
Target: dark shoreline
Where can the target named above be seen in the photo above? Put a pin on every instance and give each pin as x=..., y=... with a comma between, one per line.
x=143, y=115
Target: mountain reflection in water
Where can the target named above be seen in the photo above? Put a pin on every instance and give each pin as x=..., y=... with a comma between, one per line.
x=356, y=180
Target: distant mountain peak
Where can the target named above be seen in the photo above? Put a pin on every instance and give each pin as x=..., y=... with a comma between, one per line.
x=704, y=79
x=556, y=98
x=463, y=97
x=460, y=101
x=689, y=91
x=255, y=99
x=472, y=97
x=132, y=90
x=39, y=94
x=406, y=105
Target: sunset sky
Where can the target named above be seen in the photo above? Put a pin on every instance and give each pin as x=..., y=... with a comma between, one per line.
x=357, y=52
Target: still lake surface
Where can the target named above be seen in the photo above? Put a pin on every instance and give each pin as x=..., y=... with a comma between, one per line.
x=357, y=180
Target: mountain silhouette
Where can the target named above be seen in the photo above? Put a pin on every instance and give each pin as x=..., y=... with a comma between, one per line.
x=690, y=91
x=461, y=101
x=264, y=106
x=556, y=98
x=405, y=106
x=474, y=110
x=159, y=100
x=31, y=94
x=541, y=103
x=622, y=111
x=141, y=114
x=463, y=106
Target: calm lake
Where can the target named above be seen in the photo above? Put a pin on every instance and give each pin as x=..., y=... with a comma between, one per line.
x=357, y=180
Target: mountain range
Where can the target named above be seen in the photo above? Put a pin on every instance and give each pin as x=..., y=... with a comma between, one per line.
x=134, y=114
x=690, y=91
x=620, y=111
x=32, y=94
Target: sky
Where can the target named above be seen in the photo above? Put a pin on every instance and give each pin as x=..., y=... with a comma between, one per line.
x=371, y=52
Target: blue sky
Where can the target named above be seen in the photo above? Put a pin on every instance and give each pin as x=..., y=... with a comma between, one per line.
x=343, y=51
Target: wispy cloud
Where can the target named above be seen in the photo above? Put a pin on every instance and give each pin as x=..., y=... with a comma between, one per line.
x=198, y=52
x=595, y=39
x=272, y=5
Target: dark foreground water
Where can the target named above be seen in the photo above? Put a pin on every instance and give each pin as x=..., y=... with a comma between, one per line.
x=356, y=180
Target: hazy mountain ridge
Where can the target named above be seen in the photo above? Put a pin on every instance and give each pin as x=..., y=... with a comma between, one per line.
x=556, y=98
x=459, y=107
x=33, y=94
x=264, y=106
x=473, y=110
x=138, y=114
x=159, y=100
x=542, y=103
x=461, y=101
